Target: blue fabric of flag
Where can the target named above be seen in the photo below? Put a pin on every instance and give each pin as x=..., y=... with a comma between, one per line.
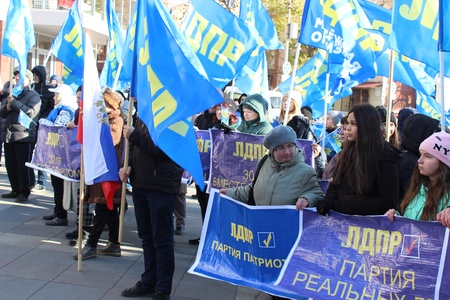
x=311, y=78
x=128, y=51
x=254, y=12
x=18, y=37
x=339, y=27
x=444, y=25
x=429, y=106
x=167, y=87
x=254, y=81
x=68, y=47
x=415, y=32
x=406, y=70
x=221, y=41
x=116, y=42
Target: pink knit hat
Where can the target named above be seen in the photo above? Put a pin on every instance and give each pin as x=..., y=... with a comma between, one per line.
x=438, y=145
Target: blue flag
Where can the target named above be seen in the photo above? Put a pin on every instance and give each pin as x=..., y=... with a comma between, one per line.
x=254, y=12
x=18, y=37
x=311, y=77
x=406, y=70
x=254, y=81
x=222, y=41
x=414, y=21
x=444, y=25
x=340, y=28
x=24, y=119
x=167, y=86
x=68, y=47
x=116, y=42
x=428, y=105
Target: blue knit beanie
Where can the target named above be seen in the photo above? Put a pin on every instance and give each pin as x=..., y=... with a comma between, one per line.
x=54, y=77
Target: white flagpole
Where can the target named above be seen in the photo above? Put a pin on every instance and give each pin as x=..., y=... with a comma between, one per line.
x=441, y=79
x=325, y=109
x=389, y=102
x=47, y=57
x=294, y=71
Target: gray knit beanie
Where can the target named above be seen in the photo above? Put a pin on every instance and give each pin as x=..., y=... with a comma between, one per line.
x=278, y=136
x=336, y=116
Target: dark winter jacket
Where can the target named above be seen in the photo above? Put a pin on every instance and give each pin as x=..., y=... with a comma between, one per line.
x=151, y=168
x=302, y=129
x=384, y=193
x=416, y=129
x=12, y=131
x=205, y=120
x=47, y=100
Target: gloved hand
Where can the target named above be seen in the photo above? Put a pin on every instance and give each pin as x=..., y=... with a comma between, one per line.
x=323, y=207
x=226, y=129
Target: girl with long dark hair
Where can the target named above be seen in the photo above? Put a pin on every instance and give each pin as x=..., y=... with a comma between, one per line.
x=365, y=180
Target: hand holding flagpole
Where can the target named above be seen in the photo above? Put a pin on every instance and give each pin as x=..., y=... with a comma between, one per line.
x=125, y=165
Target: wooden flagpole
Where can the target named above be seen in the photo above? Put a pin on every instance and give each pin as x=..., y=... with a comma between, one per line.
x=125, y=166
x=81, y=209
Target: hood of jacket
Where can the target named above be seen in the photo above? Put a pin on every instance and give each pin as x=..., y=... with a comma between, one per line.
x=41, y=73
x=415, y=130
x=256, y=104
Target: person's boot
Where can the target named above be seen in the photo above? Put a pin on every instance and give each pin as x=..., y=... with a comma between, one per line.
x=87, y=252
x=112, y=249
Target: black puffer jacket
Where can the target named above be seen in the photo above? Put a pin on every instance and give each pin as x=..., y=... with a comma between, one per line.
x=12, y=131
x=384, y=193
x=47, y=100
x=151, y=168
x=416, y=129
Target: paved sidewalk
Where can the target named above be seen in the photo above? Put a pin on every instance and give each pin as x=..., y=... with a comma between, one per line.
x=36, y=261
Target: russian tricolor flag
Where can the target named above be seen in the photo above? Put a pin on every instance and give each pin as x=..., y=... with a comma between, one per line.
x=100, y=161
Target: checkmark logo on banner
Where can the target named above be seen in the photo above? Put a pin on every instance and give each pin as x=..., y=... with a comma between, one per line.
x=267, y=241
x=411, y=246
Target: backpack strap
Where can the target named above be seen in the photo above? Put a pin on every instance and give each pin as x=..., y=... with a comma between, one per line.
x=251, y=198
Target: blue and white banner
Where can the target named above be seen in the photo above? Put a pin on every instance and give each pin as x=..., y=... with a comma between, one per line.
x=333, y=257
x=240, y=151
x=57, y=152
x=356, y=257
x=204, y=148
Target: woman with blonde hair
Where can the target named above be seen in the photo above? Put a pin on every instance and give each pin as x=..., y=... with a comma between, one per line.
x=294, y=108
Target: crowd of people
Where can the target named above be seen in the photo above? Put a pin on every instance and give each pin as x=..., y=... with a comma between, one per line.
x=408, y=175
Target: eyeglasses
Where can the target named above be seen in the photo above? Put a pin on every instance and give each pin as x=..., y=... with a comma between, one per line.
x=283, y=148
